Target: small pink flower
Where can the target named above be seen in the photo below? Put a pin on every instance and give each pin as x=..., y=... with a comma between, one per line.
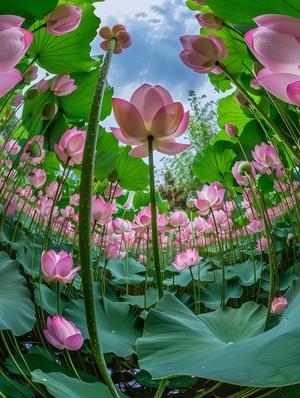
x=243, y=179
x=63, y=85
x=255, y=226
x=63, y=19
x=113, y=191
x=232, y=130
x=58, y=266
x=42, y=86
x=179, y=219
x=119, y=33
x=71, y=146
x=111, y=251
x=51, y=191
x=210, y=197
x=203, y=53
x=278, y=305
x=37, y=178
x=12, y=147
x=63, y=334
x=266, y=159
x=9, y=208
x=120, y=226
x=142, y=258
x=186, y=259
x=262, y=244
x=17, y=100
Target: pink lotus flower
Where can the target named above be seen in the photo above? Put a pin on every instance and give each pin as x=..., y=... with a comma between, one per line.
x=186, y=259
x=209, y=20
x=278, y=305
x=33, y=150
x=17, y=100
x=120, y=226
x=119, y=33
x=63, y=19
x=42, y=86
x=63, y=334
x=255, y=226
x=58, y=266
x=266, y=159
x=179, y=219
x=101, y=211
x=15, y=41
x=9, y=208
x=203, y=53
x=150, y=112
x=113, y=191
x=12, y=147
x=63, y=85
x=210, y=197
x=44, y=207
x=262, y=244
x=143, y=220
x=111, y=251
x=71, y=146
x=37, y=178
x=242, y=178
x=276, y=42
x=51, y=191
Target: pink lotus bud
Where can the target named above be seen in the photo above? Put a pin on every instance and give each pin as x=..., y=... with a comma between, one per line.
x=17, y=100
x=186, y=259
x=120, y=226
x=241, y=100
x=209, y=20
x=37, y=178
x=42, y=86
x=63, y=85
x=63, y=334
x=63, y=19
x=179, y=219
x=119, y=33
x=142, y=258
x=232, y=130
x=30, y=74
x=266, y=159
x=278, y=305
x=31, y=94
x=111, y=251
x=262, y=244
x=203, y=53
x=71, y=146
x=58, y=266
x=9, y=208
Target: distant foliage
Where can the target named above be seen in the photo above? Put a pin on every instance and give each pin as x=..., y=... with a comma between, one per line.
x=202, y=129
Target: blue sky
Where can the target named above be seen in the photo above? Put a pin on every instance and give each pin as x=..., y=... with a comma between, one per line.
x=155, y=27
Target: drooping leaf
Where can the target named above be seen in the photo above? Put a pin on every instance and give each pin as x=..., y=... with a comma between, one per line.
x=16, y=308
x=213, y=347
x=117, y=323
x=132, y=172
x=62, y=386
x=214, y=163
x=12, y=235
x=69, y=52
x=247, y=273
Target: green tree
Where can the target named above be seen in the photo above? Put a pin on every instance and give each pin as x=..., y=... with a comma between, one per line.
x=201, y=130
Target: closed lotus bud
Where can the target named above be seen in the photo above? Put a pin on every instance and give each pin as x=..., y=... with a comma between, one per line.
x=112, y=176
x=291, y=239
x=244, y=168
x=255, y=85
x=32, y=93
x=232, y=130
x=241, y=100
x=30, y=74
x=49, y=111
x=209, y=20
x=34, y=149
x=190, y=204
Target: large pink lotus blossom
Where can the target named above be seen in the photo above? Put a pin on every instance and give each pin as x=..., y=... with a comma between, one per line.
x=203, y=53
x=63, y=85
x=186, y=259
x=278, y=305
x=150, y=112
x=276, y=42
x=255, y=226
x=119, y=33
x=179, y=219
x=63, y=19
x=267, y=159
x=63, y=334
x=209, y=198
x=58, y=266
x=71, y=146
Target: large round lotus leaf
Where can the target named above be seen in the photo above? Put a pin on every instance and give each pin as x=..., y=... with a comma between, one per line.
x=228, y=345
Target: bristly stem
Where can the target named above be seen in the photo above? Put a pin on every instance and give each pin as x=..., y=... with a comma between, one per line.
x=85, y=237
x=154, y=220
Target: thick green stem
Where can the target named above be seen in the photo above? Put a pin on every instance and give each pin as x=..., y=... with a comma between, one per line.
x=153, y=220
x=85, y=237
x=261, y=113
x=161, y=388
